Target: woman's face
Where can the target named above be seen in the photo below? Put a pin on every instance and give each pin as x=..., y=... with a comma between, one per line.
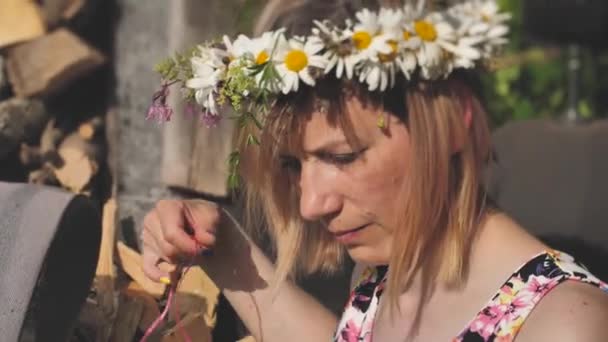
x=354, y=192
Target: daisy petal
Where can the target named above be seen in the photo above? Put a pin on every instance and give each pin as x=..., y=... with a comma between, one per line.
x=306, y=77
x=498, y=31
x=340, y=69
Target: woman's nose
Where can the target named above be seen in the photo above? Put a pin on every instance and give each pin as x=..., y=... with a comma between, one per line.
x=318, y=197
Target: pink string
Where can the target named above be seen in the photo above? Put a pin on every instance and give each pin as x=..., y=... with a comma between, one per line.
x=171, y=297
x=160, y=318
x=171, y=300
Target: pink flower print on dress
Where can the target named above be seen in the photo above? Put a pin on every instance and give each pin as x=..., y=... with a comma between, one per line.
x=485, y=323
x=351, y=332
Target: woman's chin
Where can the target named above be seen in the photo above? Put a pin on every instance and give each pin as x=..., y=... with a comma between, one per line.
x=368, y=255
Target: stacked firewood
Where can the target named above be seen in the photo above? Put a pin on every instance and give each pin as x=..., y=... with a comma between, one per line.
x=124, y=303
x=40, y=58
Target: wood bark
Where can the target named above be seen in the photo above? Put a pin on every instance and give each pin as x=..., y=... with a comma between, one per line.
x=20, y=20
x=66, y=58
x=81, y=156
x=21, y=120
x=55, y=11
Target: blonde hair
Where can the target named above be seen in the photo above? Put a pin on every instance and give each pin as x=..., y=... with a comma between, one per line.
x=443, y=200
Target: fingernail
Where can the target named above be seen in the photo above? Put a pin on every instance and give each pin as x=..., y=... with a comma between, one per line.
x=165, y=280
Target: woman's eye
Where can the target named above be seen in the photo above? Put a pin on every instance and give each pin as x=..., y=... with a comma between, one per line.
x=342, y=158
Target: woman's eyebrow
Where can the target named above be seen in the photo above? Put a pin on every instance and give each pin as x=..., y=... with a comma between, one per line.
x=328, y=146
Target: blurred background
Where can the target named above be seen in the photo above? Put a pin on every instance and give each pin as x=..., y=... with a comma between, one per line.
x=77, y=78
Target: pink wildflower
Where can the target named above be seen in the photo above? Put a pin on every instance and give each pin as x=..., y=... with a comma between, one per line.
x=209, y=119
x=159, y=110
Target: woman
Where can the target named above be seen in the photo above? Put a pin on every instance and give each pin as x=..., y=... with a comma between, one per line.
x=389, y=171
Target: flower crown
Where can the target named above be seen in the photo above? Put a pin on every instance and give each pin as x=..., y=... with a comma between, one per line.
x=246, y=75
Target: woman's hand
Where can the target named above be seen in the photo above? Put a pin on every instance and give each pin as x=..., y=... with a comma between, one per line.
x=177, y=231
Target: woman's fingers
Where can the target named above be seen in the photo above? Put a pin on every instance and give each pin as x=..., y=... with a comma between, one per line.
x=174, y=227
x=152, y=233
x=204, y=218
x=150, y=265
x=176, y=231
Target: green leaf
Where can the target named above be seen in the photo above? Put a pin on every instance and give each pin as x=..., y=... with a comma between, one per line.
x=233, y=181
x=252, y=140
x=585, y=109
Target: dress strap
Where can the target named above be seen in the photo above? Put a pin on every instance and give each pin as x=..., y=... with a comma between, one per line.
x=506, y=312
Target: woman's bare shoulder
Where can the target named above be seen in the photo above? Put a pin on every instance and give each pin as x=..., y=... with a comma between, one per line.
x=572, y=311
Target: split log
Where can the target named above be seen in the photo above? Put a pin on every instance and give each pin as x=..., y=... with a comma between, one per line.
x=30, y=156
x=150, y=312
x=80, y=163
x=91, y=128
x=93, y=319
x=46, y=151
x=81, y=158
x=193, y=325
x=21, y=120
x=105, y=275
x=66, y=58
x=127, y=320
x=45, y=175
x=131, y=263
x=20, y=20
x=55, y=11
x=197, y=293
x=4, y=85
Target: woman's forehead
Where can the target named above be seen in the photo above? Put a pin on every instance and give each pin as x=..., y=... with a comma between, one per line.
x=334, y=131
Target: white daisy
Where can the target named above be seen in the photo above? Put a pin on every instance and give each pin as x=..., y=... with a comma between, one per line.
x=208, y=70
x=440, y=47
x=254, y=52
x=295, y=59
x=391, y=21
x=483, y=20
x=365, y=29
x=378, y=76
x=340, y=50
x=393, y=49
x=257, y=50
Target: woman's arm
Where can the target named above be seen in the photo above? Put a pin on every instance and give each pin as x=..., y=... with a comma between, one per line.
x=244, y=274
x=572, y=311
x=238, y=267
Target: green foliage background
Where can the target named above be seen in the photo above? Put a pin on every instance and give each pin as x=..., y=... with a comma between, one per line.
x=537, y=87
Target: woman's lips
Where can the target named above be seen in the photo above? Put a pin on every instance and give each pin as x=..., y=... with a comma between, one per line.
x=348, y=236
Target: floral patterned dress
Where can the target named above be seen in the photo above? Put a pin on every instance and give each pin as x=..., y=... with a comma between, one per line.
x=500, y=320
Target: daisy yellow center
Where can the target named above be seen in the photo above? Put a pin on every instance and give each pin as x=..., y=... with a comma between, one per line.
x=388, y=57
x=362, y=39
x=425, y=30
x=262, y=58
x=407, y=35
x=296, y=60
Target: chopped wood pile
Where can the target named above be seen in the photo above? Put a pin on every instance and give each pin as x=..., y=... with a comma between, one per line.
x=40, y=57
